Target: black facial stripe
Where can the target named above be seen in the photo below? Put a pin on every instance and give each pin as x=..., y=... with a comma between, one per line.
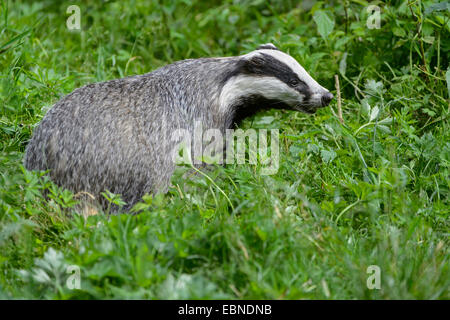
x=248, y=106
x=266, y=65
x=307, y=95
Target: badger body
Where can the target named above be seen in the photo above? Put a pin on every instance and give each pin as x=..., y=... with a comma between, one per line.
x=115, y=135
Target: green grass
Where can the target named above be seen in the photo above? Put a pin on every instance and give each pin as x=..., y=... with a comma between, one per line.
x=371, y=191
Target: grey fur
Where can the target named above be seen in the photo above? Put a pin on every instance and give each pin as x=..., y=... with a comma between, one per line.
x=115, y=135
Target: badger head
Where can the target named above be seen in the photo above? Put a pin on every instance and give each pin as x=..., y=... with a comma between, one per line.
x=273, y=78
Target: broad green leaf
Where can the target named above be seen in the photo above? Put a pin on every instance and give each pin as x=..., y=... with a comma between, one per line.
x=437, y=7
x=327, y=155
x=384, y=129
x=429, y=112
x=399, y=32
x=324, y=23
x=365, y=107
x=385, y=121
x=374, y=113
x=375, y=87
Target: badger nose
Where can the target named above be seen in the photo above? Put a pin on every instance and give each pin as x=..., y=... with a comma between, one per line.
x=326, y=98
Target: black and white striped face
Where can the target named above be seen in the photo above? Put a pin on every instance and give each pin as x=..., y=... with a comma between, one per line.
x=276, y=76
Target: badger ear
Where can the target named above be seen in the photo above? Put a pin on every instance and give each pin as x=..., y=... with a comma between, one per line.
x=269, y=46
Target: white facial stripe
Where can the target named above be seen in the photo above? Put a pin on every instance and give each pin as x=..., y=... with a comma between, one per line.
x=268, y=87
x=294, y=65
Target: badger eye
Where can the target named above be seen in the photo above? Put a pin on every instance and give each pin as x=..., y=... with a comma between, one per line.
x=294, y=82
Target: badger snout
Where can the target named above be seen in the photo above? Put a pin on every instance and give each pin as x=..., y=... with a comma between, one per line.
x=326, y=99
x=317, y=100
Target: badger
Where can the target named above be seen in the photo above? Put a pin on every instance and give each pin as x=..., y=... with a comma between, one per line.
x=113, y=135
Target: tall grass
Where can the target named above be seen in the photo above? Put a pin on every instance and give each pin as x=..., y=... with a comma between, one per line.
x=373, y=190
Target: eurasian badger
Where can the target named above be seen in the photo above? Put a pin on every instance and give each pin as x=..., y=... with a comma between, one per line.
x=113, y=135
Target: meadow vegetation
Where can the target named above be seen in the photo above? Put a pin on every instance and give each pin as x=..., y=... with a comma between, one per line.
x=371, y=190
